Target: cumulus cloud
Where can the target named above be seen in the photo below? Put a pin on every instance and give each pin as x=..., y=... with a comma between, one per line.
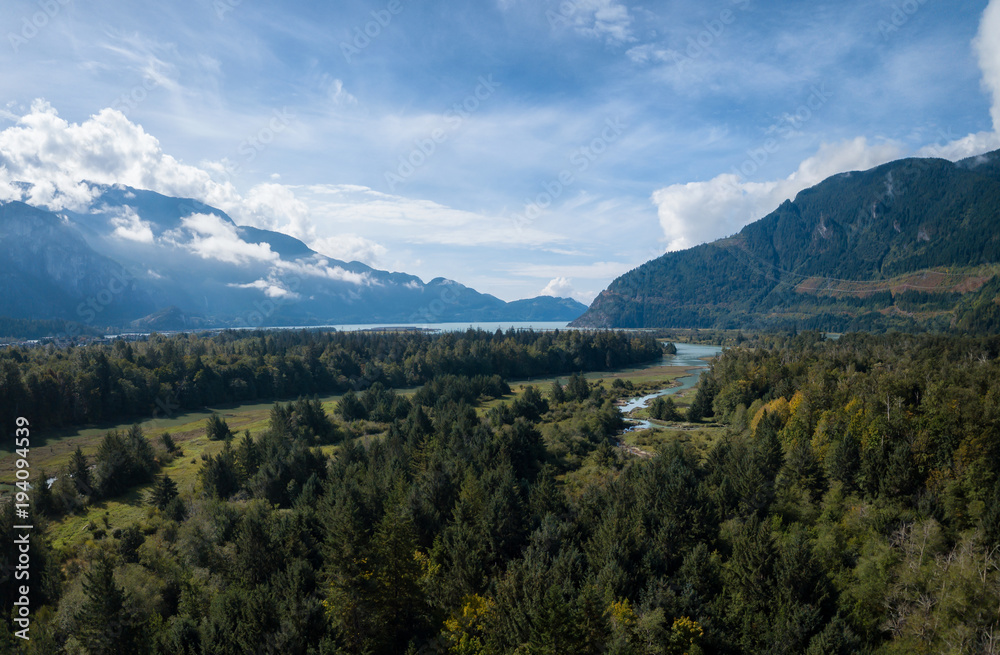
x=211, y=237
x=130, y=227
x=701, y=211
x=62, y=161
x=275, y=207
x=967, y=146
x=560, y=287
x=986, y=45
x=987, y=48
x=59, y=159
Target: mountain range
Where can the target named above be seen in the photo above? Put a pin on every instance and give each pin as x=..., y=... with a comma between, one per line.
x=138, y=259
x=913, y=244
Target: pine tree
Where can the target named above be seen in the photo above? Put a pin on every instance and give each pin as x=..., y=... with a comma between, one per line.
x=218, y=475
x=844, y=461
x=350, y=407
x=701, y=406
x=105, y=625
x=247, y=457
x=80, y=472
x=750, y=581
x=129, y=541
x=163, y=492
x=556, y=393
x=217, y=429
x=168, y=442
x=577, y=387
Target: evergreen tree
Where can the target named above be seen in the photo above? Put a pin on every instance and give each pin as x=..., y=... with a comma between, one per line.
x=768, y=447
x=750, y=582
x=844, y=461
x=80, y=472
x=556, y=393
x=247, y=457
x=664, y=409
x=218, y=474
x=128, y=544
x=168, y=442
x=163, y=492
x=123, y=460
x=350, y=407
x=217, y=429
x=577, y=387
x=530, y=405
x=105, y=624
x=701, y=406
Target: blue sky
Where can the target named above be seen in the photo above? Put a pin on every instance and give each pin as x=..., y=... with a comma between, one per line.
x=516, y=146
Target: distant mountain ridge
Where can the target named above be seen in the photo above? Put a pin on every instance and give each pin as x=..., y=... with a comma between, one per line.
x=137, y=258
x=911, y=244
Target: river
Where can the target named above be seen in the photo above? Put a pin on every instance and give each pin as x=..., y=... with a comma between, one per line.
x=691, y=356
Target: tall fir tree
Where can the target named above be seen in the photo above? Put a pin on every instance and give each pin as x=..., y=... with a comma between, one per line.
x=80, y=472
x=163, y=492
x=106, y=626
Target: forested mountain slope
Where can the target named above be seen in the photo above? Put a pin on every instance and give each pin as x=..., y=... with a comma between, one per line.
x=908, y=244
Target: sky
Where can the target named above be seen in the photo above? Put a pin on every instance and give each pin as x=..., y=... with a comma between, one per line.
x=520, y=147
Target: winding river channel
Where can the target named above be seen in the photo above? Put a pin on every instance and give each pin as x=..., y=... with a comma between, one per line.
x=691, y=356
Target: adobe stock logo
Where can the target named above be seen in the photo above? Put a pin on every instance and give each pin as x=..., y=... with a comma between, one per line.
x=30, y=27
x=364, y=35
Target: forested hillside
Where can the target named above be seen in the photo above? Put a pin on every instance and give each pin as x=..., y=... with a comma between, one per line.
x=853, y=505
x=74, y=386
x=899, y=246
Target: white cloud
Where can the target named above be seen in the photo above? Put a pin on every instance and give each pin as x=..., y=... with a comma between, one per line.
x=275, y=207
x=339, y=208
x=986, y=45
x=559, y=287
x=129, y=226
x=697, y=212
x=62, y=161
x=270, y=289
x=350, y=248
x=59, y=159
x=320, y=267
x=987, y=48
x=968, y=146
x=602, y=19
x=646, y=53
x=210, y=237
x=337, y=93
